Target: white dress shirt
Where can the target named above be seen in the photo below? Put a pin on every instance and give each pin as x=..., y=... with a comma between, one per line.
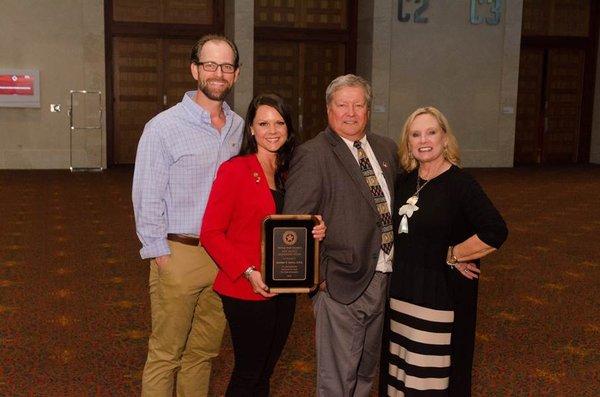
x=384, y=262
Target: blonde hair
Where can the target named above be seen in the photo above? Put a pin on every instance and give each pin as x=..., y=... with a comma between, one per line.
x=451, y=152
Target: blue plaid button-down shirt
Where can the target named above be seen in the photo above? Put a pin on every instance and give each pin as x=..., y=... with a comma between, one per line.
x=177, y=158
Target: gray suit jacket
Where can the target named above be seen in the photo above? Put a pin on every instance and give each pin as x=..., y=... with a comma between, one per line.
x=325, y=179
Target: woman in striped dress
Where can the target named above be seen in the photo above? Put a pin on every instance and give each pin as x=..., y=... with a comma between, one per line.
x=444, y=223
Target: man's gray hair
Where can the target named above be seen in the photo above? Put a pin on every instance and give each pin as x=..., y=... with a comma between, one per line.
x=349, y=80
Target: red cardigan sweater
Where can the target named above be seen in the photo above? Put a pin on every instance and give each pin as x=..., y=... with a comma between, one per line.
x=239, y=200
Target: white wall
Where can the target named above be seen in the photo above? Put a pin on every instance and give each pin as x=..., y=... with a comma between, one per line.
x=65, y=41
x=470, y=72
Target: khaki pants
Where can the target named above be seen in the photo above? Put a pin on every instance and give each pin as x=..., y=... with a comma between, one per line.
x=187, y=324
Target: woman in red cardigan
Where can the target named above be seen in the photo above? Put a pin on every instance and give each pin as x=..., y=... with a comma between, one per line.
x=248, y=188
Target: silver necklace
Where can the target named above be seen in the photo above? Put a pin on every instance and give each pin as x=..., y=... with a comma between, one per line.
x=419, y=188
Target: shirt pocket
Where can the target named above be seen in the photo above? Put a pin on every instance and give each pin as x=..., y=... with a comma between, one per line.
x=232, y=147
x=195, y=158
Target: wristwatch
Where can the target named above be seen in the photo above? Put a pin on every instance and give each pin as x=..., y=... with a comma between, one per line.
x=450, y=258
x=249, y=271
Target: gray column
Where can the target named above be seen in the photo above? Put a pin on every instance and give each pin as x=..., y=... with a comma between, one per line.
x=239, y=27
x=373, y=58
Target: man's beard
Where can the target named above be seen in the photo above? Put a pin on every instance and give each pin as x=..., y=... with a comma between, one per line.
x=214, y=94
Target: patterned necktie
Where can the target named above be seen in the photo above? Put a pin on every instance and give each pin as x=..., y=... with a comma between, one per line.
x=387, y=237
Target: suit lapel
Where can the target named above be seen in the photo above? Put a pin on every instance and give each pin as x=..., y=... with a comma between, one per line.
x=262, y=196
x=351, y=166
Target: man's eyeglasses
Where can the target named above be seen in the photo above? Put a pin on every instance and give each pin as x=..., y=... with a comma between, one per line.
x=212, y=67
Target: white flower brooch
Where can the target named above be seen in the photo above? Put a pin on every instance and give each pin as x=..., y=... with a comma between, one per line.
x=406, y=212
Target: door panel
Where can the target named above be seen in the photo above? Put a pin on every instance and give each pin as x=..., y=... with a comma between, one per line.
x=322, y=63
x=556, y=77
x=164, y=11
x=564, y=93
x=299, y=72
x=137, y=66
x=148, y=53
x=322, y=14
x=528, y=128
x=325, y=14
x=276, y=70
x=549, y=105
x=313, y=40
x=178, y=78
x=277, y=13
x=556, y=18
x=136, y=10
x=150, y=75
x=188, y=11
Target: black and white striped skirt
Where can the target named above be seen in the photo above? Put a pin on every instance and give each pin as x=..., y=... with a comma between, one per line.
x=419, y=350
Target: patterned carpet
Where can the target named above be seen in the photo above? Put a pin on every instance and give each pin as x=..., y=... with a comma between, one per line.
x=74, y=309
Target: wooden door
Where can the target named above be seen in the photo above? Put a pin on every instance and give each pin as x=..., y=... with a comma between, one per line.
x=188, y=11
x=177, y=79
x=148, y=57
x=137, y=91
x=529, y=123
x=564, y=92
x=558, y=18
x=549, y=105
x=299, y=72
x=276, y=70
x=299, y=47
x=322, y=63
x=150, y=75
x=322, y=14
x=556, y=80
x=192, y=12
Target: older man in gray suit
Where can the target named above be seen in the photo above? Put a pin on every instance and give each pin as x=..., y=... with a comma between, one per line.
x=347, y=174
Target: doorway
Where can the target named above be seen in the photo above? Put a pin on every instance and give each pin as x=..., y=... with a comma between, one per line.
x=149, y=76
x=556, y=75
x=298, y=50
x=148, y=43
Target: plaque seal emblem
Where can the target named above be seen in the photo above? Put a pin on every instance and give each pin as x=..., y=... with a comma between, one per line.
x=289, y=237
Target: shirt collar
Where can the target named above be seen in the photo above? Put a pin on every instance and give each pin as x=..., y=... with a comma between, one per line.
x=363, y=141
x=190, y=104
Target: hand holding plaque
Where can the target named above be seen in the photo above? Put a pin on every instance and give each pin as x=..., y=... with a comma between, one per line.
x=290, y=253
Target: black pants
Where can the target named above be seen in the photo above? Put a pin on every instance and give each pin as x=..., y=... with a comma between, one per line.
x=463, y=334
x=259, y=330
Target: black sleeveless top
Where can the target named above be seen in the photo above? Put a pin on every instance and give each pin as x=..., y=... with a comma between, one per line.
x=278, y=198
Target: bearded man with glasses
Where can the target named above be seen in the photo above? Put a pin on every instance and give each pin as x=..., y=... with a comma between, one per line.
x=178, y=155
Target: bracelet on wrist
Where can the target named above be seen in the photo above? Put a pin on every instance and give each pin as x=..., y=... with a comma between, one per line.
x=450, y=258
